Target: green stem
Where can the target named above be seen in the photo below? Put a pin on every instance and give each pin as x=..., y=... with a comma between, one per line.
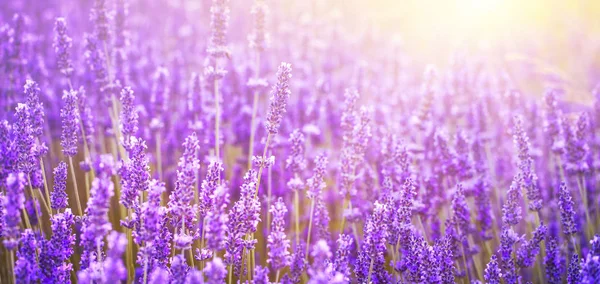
x=312, y=209
x=75, y=185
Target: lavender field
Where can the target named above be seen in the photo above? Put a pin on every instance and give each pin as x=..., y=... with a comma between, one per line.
x=264, y=141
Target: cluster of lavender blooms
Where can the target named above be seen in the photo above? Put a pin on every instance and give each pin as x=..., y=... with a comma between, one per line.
x=237, y=142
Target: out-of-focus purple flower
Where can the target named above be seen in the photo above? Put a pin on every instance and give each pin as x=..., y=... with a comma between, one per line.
x=529, y=249
x=484, y=208
x=26, y=267
x=120, y=27
x=446, y=158
x=590, y=270
x=101, y=18
x=70, y=123
x=492, y=271
x=554, y=262
x=114, y=268
x=321, y=270
x=261, y=275
x=56, y=252
x=553, y=122
x=14, y=202
x=194, y=277
x=521, y=142
x=159, y=276
x=259, y=38
x=62, y=47
x=511, y=210
x=216, y=220
x=159, y=97
x=567, y=212
x=95, y=59
x=576, y=146
x=460, y=210
x=464, y=163
x=8, y=159
x=87, y=119
x=150, y=215
x=295, y=161
x=574, y=270
x=129, y=115
x=317, y=182
x=96, y=224
x=263, y=162
x=215, y=271
x=277, y=242
x=280, y=94
x=219, y=21
x=180, y=206
x=58, y=197
x=179, y=270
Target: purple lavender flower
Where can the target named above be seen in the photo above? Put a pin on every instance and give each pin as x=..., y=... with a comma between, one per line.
x=120, y=27
x=26, y=267
x=574, y=270
x=259, y=38
x=321, y=270
x=521, y=142
x=209, y=186
x=194, y=277
x=180, y=206
x=58, y=197
x=215, y=271
x=590, y=270
x=101, y=17
x=219, y=18
x=511, y=210
x=14, y=202
x=159, y=276
x=553, y=122
x=553, y=262
x=87, y=119
x=567, y=212
x=216, y=220
x=526, y=255
x=373, y=248
x=95, y=59
x=295, y=161
x=317, y=182
x=460, y=210
x=129, y=115
x=62, y=47
x=56, y=252
x=24, y=139
x=446, y=157
x=114, y=268
x=36, y=107
x=261, y=275
x=280, y=94
x=297, y=265
x=342, y=264
x=484, y=208
x=70, y=123
x=277, y=242
x=96, y=224
x=179, y=270
x=492, y=271
x=577, y=147
x=464, y=163
x=159, y=98
x=135, y=176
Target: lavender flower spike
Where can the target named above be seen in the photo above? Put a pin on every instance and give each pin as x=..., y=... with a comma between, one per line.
x=14, y=202
x=26, y=267
x=492, y=271
x=567, y=212
x=280, y=94
x=62, y=47
x=277, y=243
x=219, y=21
x=58, y=197
x=216, y=271
x=70, y=123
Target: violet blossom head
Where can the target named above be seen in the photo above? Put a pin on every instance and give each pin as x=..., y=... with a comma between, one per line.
x=62, y=47
x=59, y=198
x=280, y=94
x=70, y=123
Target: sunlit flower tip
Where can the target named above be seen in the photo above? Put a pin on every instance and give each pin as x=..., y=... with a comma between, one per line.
x=280, y=94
